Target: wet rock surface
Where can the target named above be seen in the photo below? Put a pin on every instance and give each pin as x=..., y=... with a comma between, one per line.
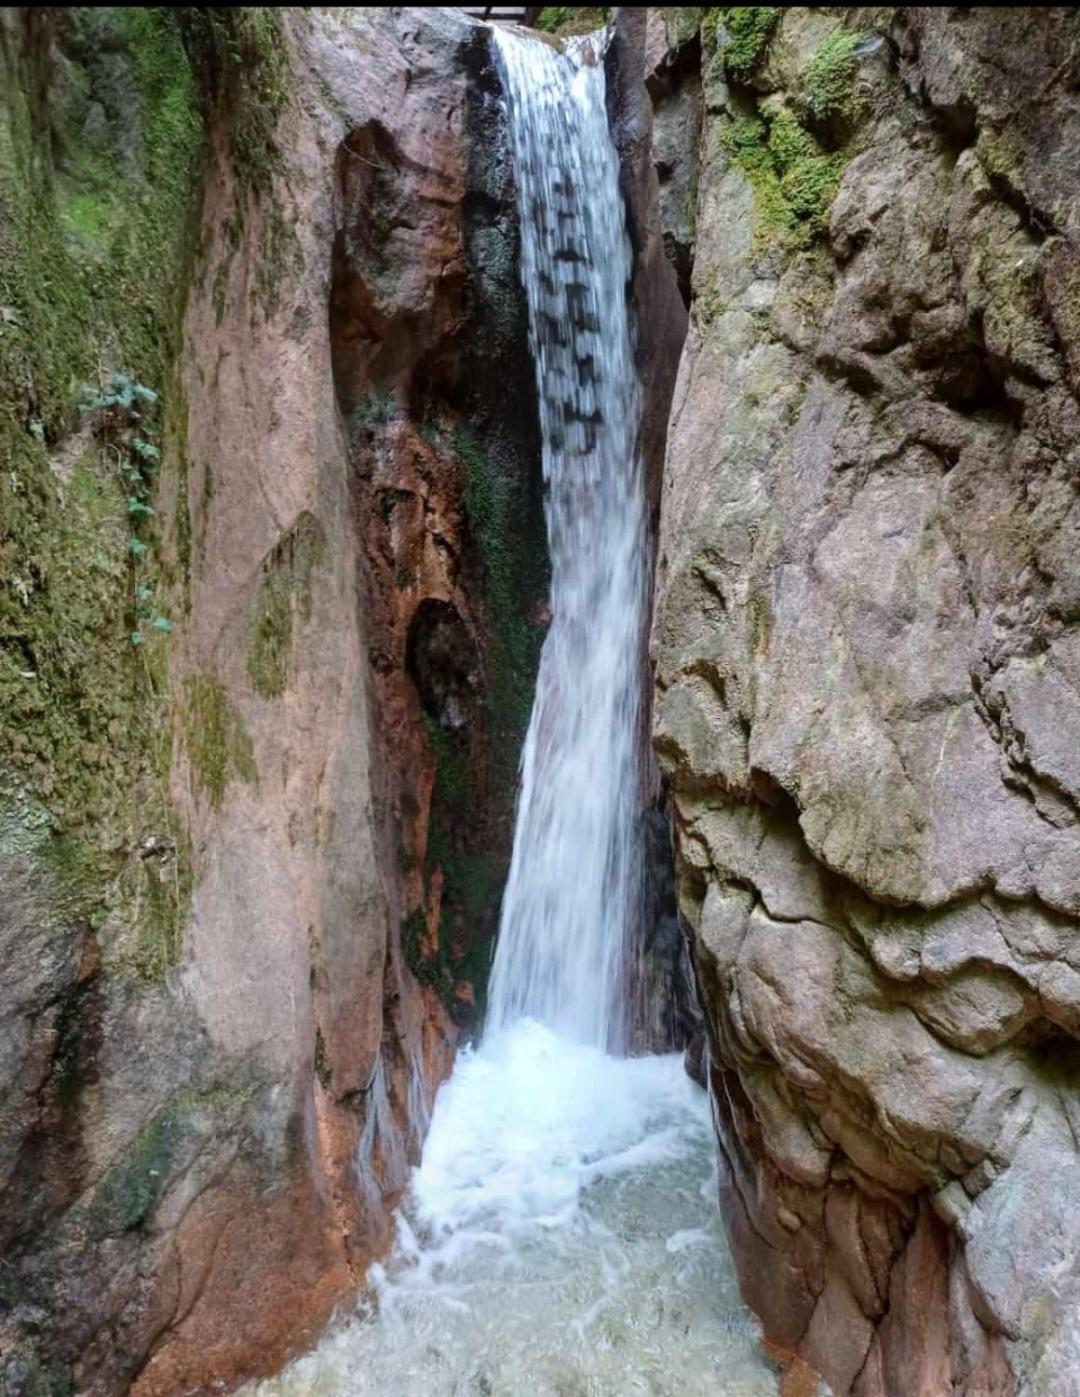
x=196, y=1168
x=865, y=686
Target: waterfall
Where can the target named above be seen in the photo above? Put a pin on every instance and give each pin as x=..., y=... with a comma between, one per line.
x=561, y=1234
x=573, y=869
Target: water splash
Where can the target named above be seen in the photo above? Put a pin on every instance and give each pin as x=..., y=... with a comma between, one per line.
x=561, y=1239
x=572, y=874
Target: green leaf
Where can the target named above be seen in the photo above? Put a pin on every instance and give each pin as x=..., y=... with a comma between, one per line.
x=137, y=548
x=162, y=624
x=136, y=638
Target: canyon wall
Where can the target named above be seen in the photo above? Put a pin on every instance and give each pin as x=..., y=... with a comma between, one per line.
x=866, y=666
x=273, y=599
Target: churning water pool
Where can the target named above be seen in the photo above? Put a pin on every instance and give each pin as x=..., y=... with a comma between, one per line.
x=561, y=1238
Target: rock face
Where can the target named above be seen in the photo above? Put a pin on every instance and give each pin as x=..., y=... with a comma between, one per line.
x=334, y=590
x=868, y=679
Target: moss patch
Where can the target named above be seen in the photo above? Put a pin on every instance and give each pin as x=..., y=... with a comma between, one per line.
x=127, y=1196
x=827, y=88
x=793, y=178
x=570, y=19
x=740, y=35
x=240, y=57
x=284, y=593
x=98, y=156
x=218, y=746
x=514, y=646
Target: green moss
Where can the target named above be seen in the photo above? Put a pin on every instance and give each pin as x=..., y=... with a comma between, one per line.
x=218, y=746
x=471, y=886
x=570, y=19
x=808, y=188
x=793, y=179
x=789, y=142
x=126, y=1196
x=471, y=811
x=241, y=57
x=413, y=932
x=740, y=35
x=1001, y=157
x=94, y=215
x=827, y=83
x=451, y=766
x=760, y=621
x=284, y=591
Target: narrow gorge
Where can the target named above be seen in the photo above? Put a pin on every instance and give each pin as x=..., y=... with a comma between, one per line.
x=539, y=702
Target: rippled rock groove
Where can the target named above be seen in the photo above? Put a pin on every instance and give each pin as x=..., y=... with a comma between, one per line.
x=561, y=1235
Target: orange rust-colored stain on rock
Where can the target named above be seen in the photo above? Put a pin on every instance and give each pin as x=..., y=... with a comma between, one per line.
x=257, y=1287
x=798, y=1380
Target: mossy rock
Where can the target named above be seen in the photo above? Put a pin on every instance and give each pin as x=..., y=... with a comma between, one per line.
x=284, y=596
x=91, y=212
x=793, y=178
x=565, y=20
x=218, y=745
x=828, y=93
x=740, y=36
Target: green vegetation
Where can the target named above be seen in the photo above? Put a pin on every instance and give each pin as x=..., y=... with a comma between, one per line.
x=460, y=840
x=740, y=35
x=98, y=155
x=218, y=746
x=793, y=179
x=571, y=19
x=126, y=1196
x=827, y=88
x=241, y=60
x=470, y=891
x=129, y=1192
x=284, y=591
x=451, y=765
x=240, y=57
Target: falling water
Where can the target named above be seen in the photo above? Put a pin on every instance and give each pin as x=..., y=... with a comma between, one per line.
x=571, y=877
x=561, y=1236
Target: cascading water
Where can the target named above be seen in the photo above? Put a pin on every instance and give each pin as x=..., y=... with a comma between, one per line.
x=568, y=895
x=561, y=1235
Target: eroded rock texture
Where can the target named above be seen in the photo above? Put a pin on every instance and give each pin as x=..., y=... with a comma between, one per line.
x=204, y=1129
x=868, y=685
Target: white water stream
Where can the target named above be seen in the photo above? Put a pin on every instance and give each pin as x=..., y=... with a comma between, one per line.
x=561, y=1236
x=572, y=876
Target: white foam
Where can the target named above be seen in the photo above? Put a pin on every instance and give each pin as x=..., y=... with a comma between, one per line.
x=555, y=1241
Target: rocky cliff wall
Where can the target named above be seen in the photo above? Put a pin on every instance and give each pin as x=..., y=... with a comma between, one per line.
x=271, y=612
x=867, y=692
